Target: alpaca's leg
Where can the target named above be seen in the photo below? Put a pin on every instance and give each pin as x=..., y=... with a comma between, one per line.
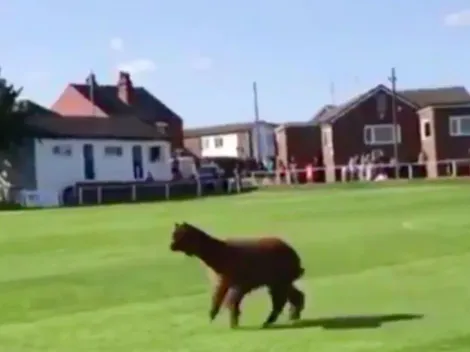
x=235, y=300
x=279, y=298
x=296, y=300
x=218, y=296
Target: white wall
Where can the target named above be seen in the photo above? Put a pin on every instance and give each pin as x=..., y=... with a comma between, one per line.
x=229, y=146
x=231, y=143
x=55, y=172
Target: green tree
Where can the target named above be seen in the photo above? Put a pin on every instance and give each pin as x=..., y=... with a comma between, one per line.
x=13, y=117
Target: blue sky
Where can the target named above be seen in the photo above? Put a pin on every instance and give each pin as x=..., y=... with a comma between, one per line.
x=201, y=56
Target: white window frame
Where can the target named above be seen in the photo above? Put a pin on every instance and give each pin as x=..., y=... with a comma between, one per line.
x=455, y=126
x=423, y=129
x=372, y=128
x=218, y=145
x=109, y=151
x=162, y=127
x=62, y=150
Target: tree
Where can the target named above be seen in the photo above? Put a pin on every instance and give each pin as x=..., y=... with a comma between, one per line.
x=13, y=117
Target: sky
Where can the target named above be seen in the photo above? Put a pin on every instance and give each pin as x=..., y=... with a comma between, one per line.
x=201, y=57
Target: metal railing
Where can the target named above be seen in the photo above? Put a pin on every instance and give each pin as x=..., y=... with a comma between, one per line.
x=105, y=193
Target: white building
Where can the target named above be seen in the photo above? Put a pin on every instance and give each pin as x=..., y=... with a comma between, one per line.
x=83, y=149
x=242, y=140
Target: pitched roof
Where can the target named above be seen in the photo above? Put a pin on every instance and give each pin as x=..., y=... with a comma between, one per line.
x=442, y=95
x=144, y=104
x=419, y=98
x=128, y=127
x=223, y=129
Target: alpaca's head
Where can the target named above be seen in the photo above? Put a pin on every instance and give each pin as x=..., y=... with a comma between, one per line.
x=186, y=239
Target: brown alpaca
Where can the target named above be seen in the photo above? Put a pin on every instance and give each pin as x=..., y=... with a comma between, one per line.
x=241, y=266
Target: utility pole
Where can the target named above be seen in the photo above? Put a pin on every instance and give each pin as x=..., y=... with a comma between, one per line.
x=393, y=80
x=259, y=154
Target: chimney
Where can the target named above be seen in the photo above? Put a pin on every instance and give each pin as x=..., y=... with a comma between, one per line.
x=124, y=86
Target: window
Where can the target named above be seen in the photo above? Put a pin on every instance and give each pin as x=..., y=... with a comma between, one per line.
x=381, y=134
x=459, y=126
x=162, y=127
x=206, y=143
x=218, y=142
x=154, y=153
x=425, y=129
x=326, y=138
x=381, y=101
x=113, y=151
x=62, y=150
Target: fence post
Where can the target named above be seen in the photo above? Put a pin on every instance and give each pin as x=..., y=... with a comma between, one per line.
x=410, y=171
x=80, y=195
x=454, y=168
x=199, y=188
x=167, y=191
x=133, y=193
x=99, y=194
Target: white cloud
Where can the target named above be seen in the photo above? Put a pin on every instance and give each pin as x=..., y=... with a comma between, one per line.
x=458, y=19
x=137, y=66
x=116, y=44
x=202, y=63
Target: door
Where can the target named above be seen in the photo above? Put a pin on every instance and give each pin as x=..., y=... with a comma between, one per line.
x=137, y=163
x=89, y=162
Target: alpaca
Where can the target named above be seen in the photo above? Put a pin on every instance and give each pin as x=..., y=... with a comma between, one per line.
x=240, y=266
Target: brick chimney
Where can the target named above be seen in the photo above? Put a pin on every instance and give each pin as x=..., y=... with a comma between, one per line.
x=124, y=86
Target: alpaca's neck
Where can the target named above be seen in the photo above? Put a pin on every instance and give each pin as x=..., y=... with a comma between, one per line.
x=212, y=253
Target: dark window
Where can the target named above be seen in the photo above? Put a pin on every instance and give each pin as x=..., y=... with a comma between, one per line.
x=113, y=151
x=62, y=149
x=381, y=101
x=155, y=154
x=218, y=142
x=427, y=129
x=89, y=162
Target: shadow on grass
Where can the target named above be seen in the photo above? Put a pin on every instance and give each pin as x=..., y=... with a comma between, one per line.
x=348, y=322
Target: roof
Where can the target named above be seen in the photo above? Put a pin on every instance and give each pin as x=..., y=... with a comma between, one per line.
x=223, y=129
x=129, y=127
x=296, y=124
x=418, y=98
x=144, y=104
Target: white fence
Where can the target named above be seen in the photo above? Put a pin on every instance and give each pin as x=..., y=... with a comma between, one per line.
x=115, y=193
x=345, y=173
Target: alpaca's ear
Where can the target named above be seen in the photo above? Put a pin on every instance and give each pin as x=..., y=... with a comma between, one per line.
x=177, y=225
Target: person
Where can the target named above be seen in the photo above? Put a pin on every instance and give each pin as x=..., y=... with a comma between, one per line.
x=293, y=170
x=281, y=172
x=309, y=173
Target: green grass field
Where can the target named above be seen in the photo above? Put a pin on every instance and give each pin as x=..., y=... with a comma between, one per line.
x=103, y=278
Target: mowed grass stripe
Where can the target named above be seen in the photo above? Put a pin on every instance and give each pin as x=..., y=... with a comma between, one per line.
x=330, y=297
x=103, y=278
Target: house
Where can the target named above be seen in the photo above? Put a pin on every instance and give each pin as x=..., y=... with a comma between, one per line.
x=365, y=123
x=66, y=150
x=237, y=140
x=299, y=141
x=445, y=135
x=91, y=99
